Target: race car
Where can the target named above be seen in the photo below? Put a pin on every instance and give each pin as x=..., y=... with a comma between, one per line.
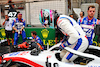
x=47, y=58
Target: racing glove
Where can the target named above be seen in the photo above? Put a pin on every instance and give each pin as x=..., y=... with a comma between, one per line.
x=64, y=44
x=64, y=39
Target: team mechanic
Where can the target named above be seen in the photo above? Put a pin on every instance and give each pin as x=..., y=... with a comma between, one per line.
x=18, y=25
x=36, y=38
x=76, y=40
x=88, y=24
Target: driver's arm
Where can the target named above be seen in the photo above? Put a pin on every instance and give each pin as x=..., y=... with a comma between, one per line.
x=66, y=26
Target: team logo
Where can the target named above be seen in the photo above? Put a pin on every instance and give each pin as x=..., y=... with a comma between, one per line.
x=3, y=32
x=45, y=33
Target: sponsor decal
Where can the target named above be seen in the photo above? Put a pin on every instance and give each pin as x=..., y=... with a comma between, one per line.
x=19, y=53
x=93, y=66
x=2, y=31
x=45, y=33
x=14, y=54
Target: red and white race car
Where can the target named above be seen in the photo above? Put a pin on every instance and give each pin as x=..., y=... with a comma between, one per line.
x=47, y=58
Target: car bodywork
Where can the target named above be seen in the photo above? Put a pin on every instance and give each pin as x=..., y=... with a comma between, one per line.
x=49, y=58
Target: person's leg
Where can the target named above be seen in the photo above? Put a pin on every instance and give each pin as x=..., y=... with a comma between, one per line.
x=63, y=52
x=15, y=38
x=8, y=41
x=23, y=36
x=7, y=36
x=81, y=46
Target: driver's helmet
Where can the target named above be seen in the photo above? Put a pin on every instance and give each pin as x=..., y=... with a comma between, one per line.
x=47, y=17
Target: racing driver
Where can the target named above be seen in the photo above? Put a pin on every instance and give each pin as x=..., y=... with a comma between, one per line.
x=76, y=38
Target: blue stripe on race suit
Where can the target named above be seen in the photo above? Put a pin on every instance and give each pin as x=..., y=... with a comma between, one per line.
x=79, y=33
x=62, y=45
x=68, y=43
x=66, y=18
x=75, y=48
x=90, y=40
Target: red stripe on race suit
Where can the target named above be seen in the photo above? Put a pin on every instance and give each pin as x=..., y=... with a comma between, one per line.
x=23, y=60
x=86, y=37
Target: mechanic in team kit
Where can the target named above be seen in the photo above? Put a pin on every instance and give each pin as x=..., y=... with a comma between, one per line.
x=19, y=25
x=88, y=24
x=36, y=38
x=35, y=42
x=76, y=37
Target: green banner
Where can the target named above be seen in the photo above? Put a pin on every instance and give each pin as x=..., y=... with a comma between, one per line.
x=47, y=35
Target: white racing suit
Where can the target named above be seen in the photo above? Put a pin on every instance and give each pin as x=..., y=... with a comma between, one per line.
x=77, y=39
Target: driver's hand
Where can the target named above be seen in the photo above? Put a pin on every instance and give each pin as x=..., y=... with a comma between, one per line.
x=61, y=47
